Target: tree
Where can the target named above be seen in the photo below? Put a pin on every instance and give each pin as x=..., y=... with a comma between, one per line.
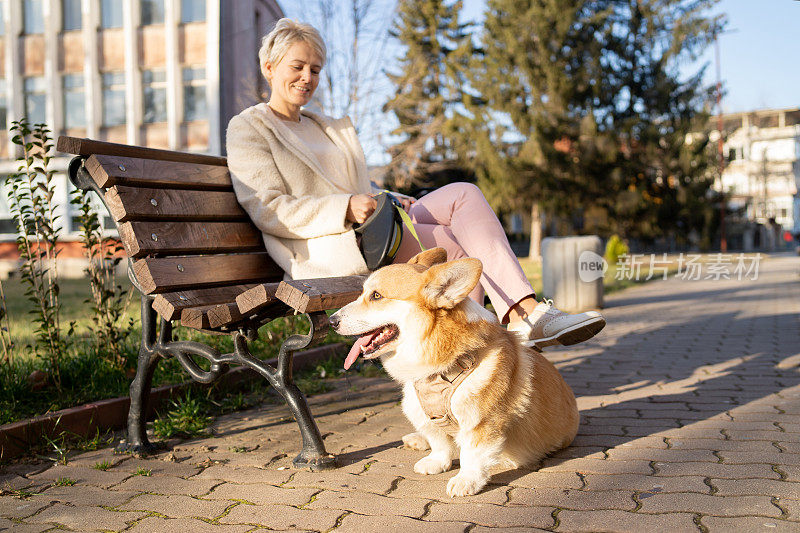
x=542, y=75
x=353, y=82
x=430, y=94
x=588, y=115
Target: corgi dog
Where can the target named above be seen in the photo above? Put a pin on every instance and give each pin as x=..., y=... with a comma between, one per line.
x=470, y=388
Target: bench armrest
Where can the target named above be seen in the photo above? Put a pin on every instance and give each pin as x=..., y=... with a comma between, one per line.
x=311, y=295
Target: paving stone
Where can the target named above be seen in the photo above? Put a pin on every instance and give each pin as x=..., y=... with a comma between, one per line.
x=262, y=494
x=158, y=468
x=485, y=514
x=792, y=472
x=19, y=527
x=707, y=504
x=668, y=456
x=535, y=479
x=679, y=443
x=245, y=474
x=355, y=523
x=573, y=499
x=282, y=517
x=82, y=495
x=482, y=529
x=637, y=483
x=167, y=485
x=624, y=522
x=774, y=457
x=13, y=507
x=91, y=518
x=176, y=506
x=748, y=523
x=436, y=489
x=792, y=505
x=717, y=470
x=183, y=525
x=334, y=480
x=81, y=475
x=369, y=504
x=11, y=482
x=600, y=466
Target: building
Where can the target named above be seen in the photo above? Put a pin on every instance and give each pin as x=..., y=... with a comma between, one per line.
x=158, y=73
x=762, y=173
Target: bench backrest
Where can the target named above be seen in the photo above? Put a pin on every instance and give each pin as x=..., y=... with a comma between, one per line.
x=180, y=223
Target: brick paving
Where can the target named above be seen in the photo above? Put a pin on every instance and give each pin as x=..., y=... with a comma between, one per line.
x=690, y=421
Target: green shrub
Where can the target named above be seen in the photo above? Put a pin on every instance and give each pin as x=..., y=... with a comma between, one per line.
x=615, y=247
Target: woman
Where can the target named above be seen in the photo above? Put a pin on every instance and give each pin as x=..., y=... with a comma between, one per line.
x=302, y=178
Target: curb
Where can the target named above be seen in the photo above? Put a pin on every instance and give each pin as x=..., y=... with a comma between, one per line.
x=17, y=438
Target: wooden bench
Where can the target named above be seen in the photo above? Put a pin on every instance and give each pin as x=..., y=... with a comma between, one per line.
x=196, y=258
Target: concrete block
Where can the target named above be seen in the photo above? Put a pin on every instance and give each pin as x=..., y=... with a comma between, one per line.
x=572, y=272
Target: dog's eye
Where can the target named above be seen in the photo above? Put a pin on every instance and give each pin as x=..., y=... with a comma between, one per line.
x=375, y=296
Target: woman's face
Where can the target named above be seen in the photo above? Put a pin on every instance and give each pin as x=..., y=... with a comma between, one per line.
x=295, y=78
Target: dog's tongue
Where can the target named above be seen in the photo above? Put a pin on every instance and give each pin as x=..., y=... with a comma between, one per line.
x=355, y=351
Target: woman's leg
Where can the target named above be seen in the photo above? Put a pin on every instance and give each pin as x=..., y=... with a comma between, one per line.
x=469, y=225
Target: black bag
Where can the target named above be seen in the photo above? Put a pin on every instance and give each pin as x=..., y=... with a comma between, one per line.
x=382, y=233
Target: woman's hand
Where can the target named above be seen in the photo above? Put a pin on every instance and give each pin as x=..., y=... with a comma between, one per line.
x=361, y=206
x=405, y=201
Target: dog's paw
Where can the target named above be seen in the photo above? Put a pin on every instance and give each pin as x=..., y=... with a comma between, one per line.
x=431, y=465
x=415, y=441
x=465, y=485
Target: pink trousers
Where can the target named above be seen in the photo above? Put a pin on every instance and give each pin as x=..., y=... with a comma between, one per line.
x=458, y=218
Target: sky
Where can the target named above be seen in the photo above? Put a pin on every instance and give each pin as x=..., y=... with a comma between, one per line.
x=759, y=53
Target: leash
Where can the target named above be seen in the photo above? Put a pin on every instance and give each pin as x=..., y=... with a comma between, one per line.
x=406, y=220
x=408, y=224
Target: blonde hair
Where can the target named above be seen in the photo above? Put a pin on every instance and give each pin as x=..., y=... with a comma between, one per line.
x=286, y=32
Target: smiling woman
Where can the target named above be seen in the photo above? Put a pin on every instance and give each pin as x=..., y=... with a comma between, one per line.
x=302, y=178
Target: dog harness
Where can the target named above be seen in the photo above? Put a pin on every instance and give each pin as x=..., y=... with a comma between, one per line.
x=434, y=392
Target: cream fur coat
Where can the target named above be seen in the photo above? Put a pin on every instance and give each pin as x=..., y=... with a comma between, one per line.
x=299, y=210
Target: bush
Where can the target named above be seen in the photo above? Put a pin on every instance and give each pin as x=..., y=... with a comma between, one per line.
x=615, y=247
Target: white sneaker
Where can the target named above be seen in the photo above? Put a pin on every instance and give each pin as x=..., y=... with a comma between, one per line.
x=547, y=326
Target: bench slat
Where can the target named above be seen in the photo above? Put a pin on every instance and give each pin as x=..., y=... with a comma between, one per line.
x=171, y=238
x=257, y=297
x=168, y=274
x=139, y=203
x=170, y=305
x=87, y=147
x=310, y=295
x=109, y=170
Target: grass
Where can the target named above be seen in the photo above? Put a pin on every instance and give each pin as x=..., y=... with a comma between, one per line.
x=103, y=465
x=146, y=472
x=64, y=482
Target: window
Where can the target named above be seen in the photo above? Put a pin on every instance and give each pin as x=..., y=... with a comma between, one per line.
x=111, y=14
x=32, y=17
x=152, y=12
x=194, y=94
x=71, y=15
x=113, y=99
x=193, y=11
x=154, y=89
x=74, y=101
x=35, y=100
x=732, y=154
x=2, y=20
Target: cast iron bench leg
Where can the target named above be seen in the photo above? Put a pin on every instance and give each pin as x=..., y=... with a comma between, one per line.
x=137, y=440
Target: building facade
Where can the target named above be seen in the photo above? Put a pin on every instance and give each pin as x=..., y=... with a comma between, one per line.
x=762, y=174
x=157, y=73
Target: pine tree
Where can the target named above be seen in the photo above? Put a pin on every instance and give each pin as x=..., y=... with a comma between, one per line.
x=664, y=166
x=430, y=93
x=542, y=74
x=586, y=114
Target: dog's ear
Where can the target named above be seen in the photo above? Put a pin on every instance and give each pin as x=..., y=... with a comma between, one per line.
x=449, y=283
x=428, y=258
